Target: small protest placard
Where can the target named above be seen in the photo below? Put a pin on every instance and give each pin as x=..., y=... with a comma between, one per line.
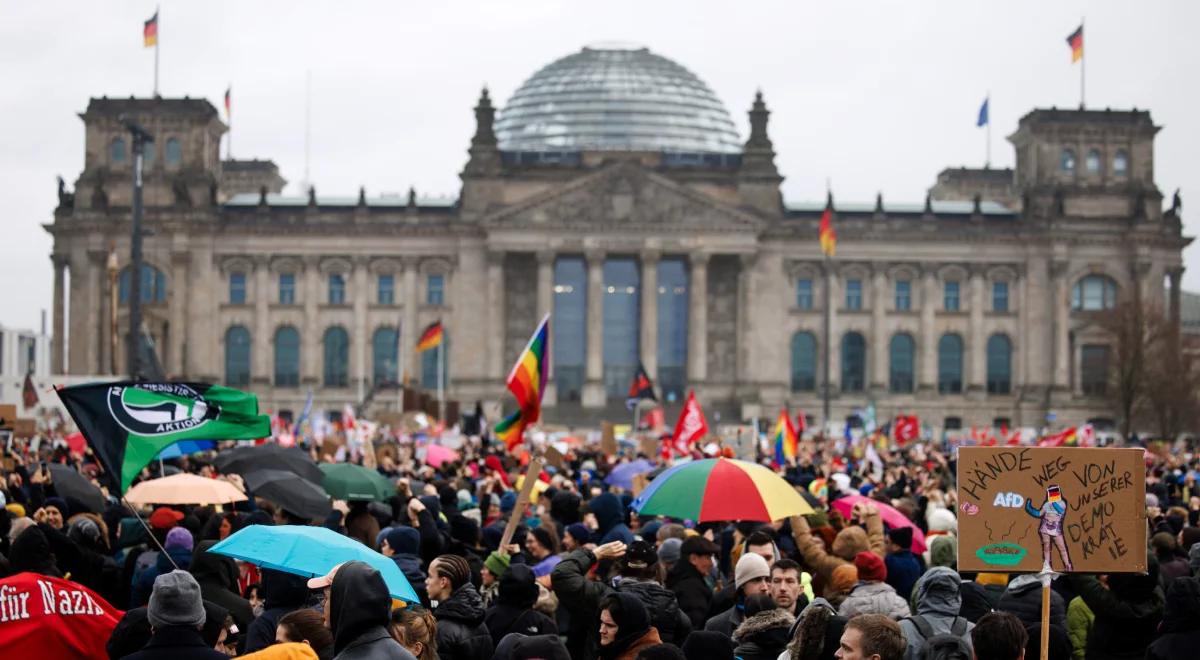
x=608, y=439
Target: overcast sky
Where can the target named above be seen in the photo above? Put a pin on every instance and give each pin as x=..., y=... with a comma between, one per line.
x=874, y=96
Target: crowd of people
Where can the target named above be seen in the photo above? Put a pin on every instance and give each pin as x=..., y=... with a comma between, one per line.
x=584, y=577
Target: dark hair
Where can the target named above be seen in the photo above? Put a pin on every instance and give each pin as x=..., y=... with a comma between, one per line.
x=759, y=603
x=759, y=537
x=454, y=568
x=998, y=636
x=411, y=625
x=546, y=537
x=785, y=564
x=880, y=635
x=305, y=624
x=252, y=588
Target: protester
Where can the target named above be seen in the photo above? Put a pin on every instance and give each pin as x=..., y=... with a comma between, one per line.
x=1127, y=613
x=542, y=546
x=751, y=576
x=938, y=604
x=176, y=615
x=816, y=634
x=764, y=632
x=846, y=546
x=1079, y=625
x=217, y=577
x=903, y=567
x=1180, y=630
x=402, y=545
x=282, y=593
x=416, y=630
x=624, y=627
x=513, y=611
x=687, y=579
x=999, y=636
x=789, y=585
x=306, y=627
x=872, y=595
x=871, y=637
x=461, y=633
x=357, y=607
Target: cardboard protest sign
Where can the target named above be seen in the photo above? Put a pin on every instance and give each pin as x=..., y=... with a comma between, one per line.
x=8, y=416
x=608, y=439
x=24, y=429
x=1079, y=510
x=554, y=457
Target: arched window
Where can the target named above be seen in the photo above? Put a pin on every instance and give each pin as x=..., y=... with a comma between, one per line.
x=804, y=362
x=999, y=365
x=237, y=356
x=173, y=152
x=950, y=364
x=1121, y=163
x=1066, y=161
x=1093, y=162
x=900, y=353
x=287, y=357
x=854, y=362
x=385, y=351
x=337, y=357
x=117, y=151
x=1094, y=292
x=153, y=284
x=429, y=364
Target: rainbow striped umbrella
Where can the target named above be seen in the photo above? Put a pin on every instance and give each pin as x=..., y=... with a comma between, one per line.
x=720, y=489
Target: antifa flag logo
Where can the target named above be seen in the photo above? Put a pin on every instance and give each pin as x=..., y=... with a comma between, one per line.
x=159, y=409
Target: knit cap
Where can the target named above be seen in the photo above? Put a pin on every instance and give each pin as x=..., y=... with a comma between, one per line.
x=750, y=567
x=870, y=567
x=497, y=563
x=179, y=538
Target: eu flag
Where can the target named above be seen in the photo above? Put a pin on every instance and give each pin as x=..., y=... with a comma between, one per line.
x=983, y=114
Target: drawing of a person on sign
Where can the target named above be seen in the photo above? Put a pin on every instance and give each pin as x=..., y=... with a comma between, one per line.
x=1051, y=514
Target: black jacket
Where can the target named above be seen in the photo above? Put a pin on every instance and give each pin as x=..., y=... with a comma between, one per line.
x=764, y=635
x=978, y=599
x=1181, y=622
x=359, y=609
x=177, y=643
x=673, y=625
x=1023, y=598
x=692, y=592
x=217, y=576
x=281, y=593
x=513, y=611
x=461, y=634
x=1127, y=613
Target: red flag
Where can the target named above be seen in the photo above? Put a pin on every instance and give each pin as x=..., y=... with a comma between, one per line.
x=29, y=392
x=906, y=429
x=48, y=618
x=1066, y=436
x=801, y=423
x=653, y=420
x=691, y=426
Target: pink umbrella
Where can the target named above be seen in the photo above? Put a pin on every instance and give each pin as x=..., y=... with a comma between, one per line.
x=887, y=513
x=435, y=455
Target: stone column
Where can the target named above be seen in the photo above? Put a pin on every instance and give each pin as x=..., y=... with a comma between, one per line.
x=697, y=371
x=880, y=341
x=1175, y=275
x=648, y=340
x=830, y=342
x=495, y=311
x=360, y=348
x=545, y=298
x=312, y=358
x=57, y=365
x=745, y=326
x=99, y=358
x=593, y=387
x=1061, y=306
x=410, y=331
x=929, y=301
x=261, y=353
x=977, y=357
x=180, y=263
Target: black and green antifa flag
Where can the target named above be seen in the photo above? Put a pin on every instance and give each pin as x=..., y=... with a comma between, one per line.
x=128, y=423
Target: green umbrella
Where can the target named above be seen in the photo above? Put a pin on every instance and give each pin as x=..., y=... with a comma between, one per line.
x=347, y=481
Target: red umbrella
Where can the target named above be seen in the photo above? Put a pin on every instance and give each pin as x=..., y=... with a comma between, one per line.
x=887, y=513
x=48, y=618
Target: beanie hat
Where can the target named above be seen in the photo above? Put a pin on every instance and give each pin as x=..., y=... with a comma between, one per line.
x=84, y=529
x=902, y=536
x=497, y=563
x=580, y=533
x=750, y=567
x=843, y=578
x=464, y=530
x=943, y=551
x=178, y=537
x=17, y=510
x=403, y=540
x=870, y=567
x=508, y=502
x=849, y=542
x=58, y=503
x=668, y=552
x=942, y=520
x=175, y=601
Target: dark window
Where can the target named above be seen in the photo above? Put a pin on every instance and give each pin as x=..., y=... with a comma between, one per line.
x=804, y=362
x=999, y=365
x=173, y=153
x=337, y=289
x=952, y=424
x=153, y=283
x=903, y=295
x=237, y=356
x=1094, y=292
x=999, y=296
x=237, y=288
x=900, y=375
x=385, y=351
x=1093, y=367
x=1002, y=423
x=117, y=152
x=950, y=364
x=672, y=327
x=622, y=308
x=853, y=294
x=287, y=289
x=386, y=291
x=854, y=362
x=950, y=297
x=287, y=357
x=804, y=294
x=569, y=326
x=337, y=357
x=435, y=293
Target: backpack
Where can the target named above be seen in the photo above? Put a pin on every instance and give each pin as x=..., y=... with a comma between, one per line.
x=957, y=629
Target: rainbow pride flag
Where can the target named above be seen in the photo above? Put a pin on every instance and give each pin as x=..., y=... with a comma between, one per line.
x=527, y=381
x=786, y=439
x=510, y=429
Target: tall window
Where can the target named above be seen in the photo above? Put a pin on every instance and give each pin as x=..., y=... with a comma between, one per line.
x=287, y=357
x=950, y=297
x=853, y=294
x=804, y=294
x=237, y=288
x=1094, y=292
x=237, y=356
x=429, y=364
x=117, y=151
x=950, y=364
x=900, y=375
x=337, y=357
x=153, y=283
x=173, y=154
x=570, y=326
x=854, y=362
x=672, y=327
x=999, y=296
x=1093, y=367
x=999, y=365
x=903, y=295
x=287, y=288
x=385, y=355
x=1066, y=161
x=804, y=362
x=1092, y=162
x=435, y=290
x=386, y=290
x=622, y=309
x=148, y=151
x=1120, y=165
x=337, y=289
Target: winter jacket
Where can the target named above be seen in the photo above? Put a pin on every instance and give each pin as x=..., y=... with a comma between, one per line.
x=672, y=624
x=726, y=622
x=634, y=631
x=978, y=599
x=360, y=607
x=691, y=590
x=513, y=611
x=1079, y=624
x=86, y=565
x=177, y=643
x=874, y=598
x=217, y=576
x=461, y=634
x=938, y=603
x=764, y=635
x=903, y=571
x=1127, y=613
x=143, y=584
x=1181, y=622
x=1023, y=598
x=611, y=519
x=813, y=550
x=281, y=593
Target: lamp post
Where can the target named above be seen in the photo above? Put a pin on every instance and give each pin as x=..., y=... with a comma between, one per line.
x=140, y=138
x=113, y=272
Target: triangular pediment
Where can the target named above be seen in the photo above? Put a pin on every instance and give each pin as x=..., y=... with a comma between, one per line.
x=623, y=197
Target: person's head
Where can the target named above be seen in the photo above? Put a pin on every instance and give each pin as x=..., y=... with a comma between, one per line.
x=541, y=542
x=872, y=637
x=999, y=636
x=446, y=574
x=670, y=531
x=55, y=512
x=640, y=561
x=760, y=543
x=785, y=583
x=699, y=552
x=356, y=600
x=415, y=630
x=226, y=526
x=400, y=540
x=870, y=567
x=1163, y=544
x=900, y=539
x=306, y=626
x=176, y=601
x=622, y=616
x=576, y=536
x=494, y=568
x=668, y=552
x=752, y=575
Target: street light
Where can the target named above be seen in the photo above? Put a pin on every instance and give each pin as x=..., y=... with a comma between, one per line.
x=140, y=138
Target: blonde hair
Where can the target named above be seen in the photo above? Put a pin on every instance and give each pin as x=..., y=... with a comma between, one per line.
x=411, y=625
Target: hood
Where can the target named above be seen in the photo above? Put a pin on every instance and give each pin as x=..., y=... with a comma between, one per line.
x=938, y=592
x=549, y=647
x=434, y=505
x=607, y=509
x=1183, y=606
x=464, y=606
x=359, y=601
x=1024, y=583
x=564, y=507
x=660, y=602
x=281, y=589
x=518, y=587
x=214, y=569
x=769, y=620
x=30, y=551
x=633, y=620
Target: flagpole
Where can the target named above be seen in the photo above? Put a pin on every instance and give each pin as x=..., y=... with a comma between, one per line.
x=441, y=384
x=828, y=341
x=156, y=41
x=987, y=161
x=1082, y=68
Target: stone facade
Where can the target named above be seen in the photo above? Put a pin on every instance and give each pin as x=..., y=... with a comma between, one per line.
x=1081, y=202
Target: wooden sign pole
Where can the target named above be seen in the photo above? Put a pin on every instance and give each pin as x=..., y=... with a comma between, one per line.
x=531, y=474
x=1046, y=577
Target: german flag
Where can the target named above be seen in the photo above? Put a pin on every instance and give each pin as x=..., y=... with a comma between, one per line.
x=1075, y=41
x=150, y=31
x=431, y=337
x=826, y=234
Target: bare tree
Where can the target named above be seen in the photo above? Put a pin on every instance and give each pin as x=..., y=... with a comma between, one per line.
x=1172, y=403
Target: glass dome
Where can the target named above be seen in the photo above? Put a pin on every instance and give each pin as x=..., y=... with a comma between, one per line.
x=623, y=99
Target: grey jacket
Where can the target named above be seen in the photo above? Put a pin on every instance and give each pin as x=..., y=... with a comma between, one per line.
x=375, y=644
x=938, y=602
x=726, y=622
x=874, y=598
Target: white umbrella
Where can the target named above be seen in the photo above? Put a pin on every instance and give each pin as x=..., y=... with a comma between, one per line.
x=184, y=489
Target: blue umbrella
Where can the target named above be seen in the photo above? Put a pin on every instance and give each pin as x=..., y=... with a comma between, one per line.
x=623, y=474
x=185, y=447
x=309, y=551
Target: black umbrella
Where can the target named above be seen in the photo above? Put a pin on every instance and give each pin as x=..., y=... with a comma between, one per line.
x=288, y=490
x=242, y=460
x=75, y=488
